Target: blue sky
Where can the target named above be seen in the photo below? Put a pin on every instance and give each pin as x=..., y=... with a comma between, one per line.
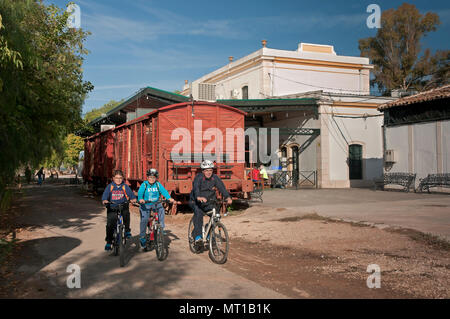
x=162, y=43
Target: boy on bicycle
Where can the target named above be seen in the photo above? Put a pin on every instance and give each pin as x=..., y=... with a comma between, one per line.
x=117, y=193
x=151, y=190
x=203, y=190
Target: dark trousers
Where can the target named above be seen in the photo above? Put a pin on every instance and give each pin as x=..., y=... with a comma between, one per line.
x=199, y=212
x=111, y=222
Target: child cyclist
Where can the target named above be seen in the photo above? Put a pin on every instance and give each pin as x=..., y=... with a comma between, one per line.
x=150, y=191
x=117, y=193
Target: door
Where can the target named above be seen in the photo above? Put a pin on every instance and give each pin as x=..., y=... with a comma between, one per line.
x=355, y=161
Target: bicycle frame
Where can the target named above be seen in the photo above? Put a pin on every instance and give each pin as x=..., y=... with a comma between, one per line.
x=214, y=217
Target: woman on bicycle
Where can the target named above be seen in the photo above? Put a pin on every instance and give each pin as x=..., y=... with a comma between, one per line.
x=117, y=193
x=150, y=191
x=203, y=190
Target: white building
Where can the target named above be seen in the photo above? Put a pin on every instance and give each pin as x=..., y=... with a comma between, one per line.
x=313, y=89
x=417, y=133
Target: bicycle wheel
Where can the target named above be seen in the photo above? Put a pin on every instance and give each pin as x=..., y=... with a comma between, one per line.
x=160, y=248
x=116, y=241
x=122, y=244
x=218, y=243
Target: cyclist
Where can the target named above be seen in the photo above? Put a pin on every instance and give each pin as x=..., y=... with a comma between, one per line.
x=203, y=190
x=117, y=192
x=151, y=190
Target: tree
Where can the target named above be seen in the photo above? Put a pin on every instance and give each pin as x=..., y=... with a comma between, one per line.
x=73, y=146
x=42, y=82
x=95, y=113
x=396, y=47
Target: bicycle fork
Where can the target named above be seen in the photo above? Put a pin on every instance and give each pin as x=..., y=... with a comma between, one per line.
x=152, y=228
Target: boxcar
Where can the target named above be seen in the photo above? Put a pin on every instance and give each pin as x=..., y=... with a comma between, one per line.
x=174, y=140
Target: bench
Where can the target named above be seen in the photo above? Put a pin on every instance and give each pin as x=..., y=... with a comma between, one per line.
x=434, y=180
x=403, y=179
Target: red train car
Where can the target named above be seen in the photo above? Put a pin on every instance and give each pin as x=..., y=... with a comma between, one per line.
x=174, y=140
x=99, y=158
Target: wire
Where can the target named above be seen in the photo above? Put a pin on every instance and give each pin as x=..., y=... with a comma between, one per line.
x=329, y=88
x=316, y=86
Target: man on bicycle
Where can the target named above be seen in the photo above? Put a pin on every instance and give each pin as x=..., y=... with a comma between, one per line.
x=203, y=190
x=150, y=191
x=117, y=193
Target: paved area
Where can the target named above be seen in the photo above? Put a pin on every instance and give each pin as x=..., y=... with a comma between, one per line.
x=428, y=213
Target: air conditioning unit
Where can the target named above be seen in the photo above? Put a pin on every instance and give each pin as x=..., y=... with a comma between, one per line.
x=389, y=156
x=235, y=94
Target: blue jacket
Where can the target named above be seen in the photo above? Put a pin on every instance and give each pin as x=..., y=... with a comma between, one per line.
x=116, y=195
x=151, y=192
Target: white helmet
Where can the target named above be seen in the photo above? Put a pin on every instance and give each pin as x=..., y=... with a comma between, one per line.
x=207, y=164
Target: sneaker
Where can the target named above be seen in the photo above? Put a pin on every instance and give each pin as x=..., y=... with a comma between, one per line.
x=143, y=241
x=128, y=235
x=198, y=239
x=108, y=246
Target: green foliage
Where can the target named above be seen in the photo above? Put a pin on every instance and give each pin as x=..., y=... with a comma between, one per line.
x=395, y=51
x=95, y=113
x=73, y=146
x=42, y=87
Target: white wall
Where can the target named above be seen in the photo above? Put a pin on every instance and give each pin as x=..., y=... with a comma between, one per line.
x=425, y=156
x=290, y=79
x=343, y=132
x=397, y=140
x=420, y=157
x=251, y=78
x=445, y=146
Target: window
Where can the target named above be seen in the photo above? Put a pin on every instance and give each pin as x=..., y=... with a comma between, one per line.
x=245, y=92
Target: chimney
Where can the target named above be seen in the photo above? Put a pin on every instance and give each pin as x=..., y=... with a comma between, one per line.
x=264, y=43
x=230, y=58
x=186, y=85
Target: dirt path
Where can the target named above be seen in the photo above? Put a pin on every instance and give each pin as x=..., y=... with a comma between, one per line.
x=61, y=227
x=274, y=254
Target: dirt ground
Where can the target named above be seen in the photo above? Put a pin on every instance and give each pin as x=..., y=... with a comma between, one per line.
x=314, y=257
x=298, y=254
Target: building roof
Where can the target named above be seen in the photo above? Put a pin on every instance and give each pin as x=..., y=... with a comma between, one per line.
x=430, y=95
x=154, y=98
x=253, y=106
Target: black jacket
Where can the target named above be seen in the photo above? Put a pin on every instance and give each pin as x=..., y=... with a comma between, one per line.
x=203, y=187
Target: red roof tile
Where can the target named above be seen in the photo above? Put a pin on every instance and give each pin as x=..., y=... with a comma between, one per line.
x=431, y=95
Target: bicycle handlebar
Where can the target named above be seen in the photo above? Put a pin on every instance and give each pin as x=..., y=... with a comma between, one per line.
x=108, y=204
x=159, y=201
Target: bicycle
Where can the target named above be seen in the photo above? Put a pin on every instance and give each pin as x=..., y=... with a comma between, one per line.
x=214, y=235
x=154, y=234
x=119, y=239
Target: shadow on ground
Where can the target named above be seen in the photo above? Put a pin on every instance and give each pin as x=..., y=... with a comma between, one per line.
x=58, y=206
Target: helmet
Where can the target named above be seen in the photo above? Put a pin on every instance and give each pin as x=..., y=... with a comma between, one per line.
x=207, y=164
x=152, y=172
